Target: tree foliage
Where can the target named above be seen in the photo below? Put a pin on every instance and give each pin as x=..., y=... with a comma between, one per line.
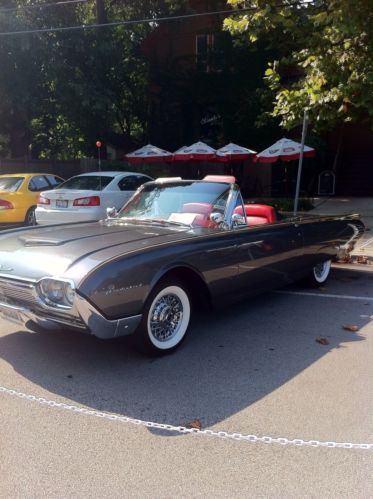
x=61, y=91
x=325, y=61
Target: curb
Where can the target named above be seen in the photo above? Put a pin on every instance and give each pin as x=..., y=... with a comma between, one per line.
x=354, y=259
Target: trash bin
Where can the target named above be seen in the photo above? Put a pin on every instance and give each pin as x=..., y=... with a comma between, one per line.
x=326, y=183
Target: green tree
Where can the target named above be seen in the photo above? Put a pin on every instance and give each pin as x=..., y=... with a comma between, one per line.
x=325, y=57
x=60, y=91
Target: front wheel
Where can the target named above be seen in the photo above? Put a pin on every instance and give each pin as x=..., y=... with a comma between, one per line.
x=166, y=318
x=320, y=273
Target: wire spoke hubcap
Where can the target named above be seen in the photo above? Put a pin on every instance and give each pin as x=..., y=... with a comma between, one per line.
x=166, y=317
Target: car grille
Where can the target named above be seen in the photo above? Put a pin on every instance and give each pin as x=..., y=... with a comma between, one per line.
x=17, y=293
x=23, y=294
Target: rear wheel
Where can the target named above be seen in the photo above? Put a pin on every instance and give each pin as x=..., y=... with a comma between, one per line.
x=30, y=218
x=166, y=318
x=320, y=273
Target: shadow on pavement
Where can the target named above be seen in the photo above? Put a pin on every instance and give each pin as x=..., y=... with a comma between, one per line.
x=230, y=360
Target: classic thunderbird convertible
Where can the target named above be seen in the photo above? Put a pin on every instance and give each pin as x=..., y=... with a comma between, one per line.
x=175, y=245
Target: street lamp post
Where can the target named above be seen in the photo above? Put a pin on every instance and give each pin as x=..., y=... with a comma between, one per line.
x=98, y=145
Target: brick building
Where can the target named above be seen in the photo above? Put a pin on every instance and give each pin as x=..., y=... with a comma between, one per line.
x=201, y=87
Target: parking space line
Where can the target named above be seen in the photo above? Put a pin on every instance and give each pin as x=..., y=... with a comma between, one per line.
x=324, y=295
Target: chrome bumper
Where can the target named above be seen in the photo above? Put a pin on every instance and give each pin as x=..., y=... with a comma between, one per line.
x=105, y=328
x=90, y=320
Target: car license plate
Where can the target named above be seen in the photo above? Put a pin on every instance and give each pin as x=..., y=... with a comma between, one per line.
x=61, y=203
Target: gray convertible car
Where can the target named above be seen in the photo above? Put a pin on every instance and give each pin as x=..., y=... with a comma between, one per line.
x=176, y=245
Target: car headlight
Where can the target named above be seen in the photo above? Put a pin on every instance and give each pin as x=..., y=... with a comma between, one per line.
x=56, y=292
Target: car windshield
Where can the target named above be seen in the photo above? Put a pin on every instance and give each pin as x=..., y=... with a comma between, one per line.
x=10, y=184
x=185, y=202
x=87, y=182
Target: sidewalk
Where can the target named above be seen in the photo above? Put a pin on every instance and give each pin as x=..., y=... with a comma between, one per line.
x=363, y=250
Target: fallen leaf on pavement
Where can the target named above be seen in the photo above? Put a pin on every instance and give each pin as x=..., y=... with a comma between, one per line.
x=322, y=341
x=345, y=259
x=351, y=327
x=362, y=259
x=196, y=423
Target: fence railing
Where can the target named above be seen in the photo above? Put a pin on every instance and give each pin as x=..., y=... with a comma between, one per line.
x=62, y=168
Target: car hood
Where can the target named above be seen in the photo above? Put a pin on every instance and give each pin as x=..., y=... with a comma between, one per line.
x=53, y=250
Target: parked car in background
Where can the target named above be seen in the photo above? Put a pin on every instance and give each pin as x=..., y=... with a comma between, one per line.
x=19, y=193
x=86, y=197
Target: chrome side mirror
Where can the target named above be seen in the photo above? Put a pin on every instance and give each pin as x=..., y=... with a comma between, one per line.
x=238, y=220
x=216, y=217
x=111, y=212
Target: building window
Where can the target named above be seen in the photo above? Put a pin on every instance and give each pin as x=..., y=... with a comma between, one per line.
x=204, y=48
x=212, y=52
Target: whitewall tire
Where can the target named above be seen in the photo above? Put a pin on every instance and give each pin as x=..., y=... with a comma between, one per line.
x=320, y=273
x=166, y=318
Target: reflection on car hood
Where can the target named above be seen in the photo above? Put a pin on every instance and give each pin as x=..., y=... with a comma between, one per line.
x=52, y=250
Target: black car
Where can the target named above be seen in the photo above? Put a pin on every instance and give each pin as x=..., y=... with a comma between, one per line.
x=176, y=244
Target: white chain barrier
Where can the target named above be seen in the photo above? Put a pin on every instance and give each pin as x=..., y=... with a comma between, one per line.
x=183, y=429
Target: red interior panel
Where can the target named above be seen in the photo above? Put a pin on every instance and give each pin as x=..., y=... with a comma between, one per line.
x=262, y=212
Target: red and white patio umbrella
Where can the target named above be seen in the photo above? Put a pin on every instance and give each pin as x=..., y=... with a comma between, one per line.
x=198, y=152
x=149, y=154
x=233, y=152
x=284, y=149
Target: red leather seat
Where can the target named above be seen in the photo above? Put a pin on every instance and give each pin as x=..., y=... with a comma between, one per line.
x=258, y=214
x=202, y=208
x=202, y=211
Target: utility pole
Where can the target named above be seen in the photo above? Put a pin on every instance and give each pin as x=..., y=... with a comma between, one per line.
x=101, y=12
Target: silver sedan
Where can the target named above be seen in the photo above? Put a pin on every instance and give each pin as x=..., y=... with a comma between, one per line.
x=86, y=197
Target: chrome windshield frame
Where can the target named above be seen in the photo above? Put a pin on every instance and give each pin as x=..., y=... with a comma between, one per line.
x=233, y=198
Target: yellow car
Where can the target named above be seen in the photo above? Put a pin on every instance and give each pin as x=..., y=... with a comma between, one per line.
x=19, y=193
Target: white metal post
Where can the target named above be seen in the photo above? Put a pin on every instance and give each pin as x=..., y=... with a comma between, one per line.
x=304, y=132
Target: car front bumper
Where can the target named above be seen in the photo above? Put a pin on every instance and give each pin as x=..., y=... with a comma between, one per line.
x=89, y=319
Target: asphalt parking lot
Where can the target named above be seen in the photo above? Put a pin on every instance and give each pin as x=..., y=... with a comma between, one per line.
x=279, y=365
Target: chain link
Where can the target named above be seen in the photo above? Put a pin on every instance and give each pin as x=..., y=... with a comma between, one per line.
x=183, y=429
